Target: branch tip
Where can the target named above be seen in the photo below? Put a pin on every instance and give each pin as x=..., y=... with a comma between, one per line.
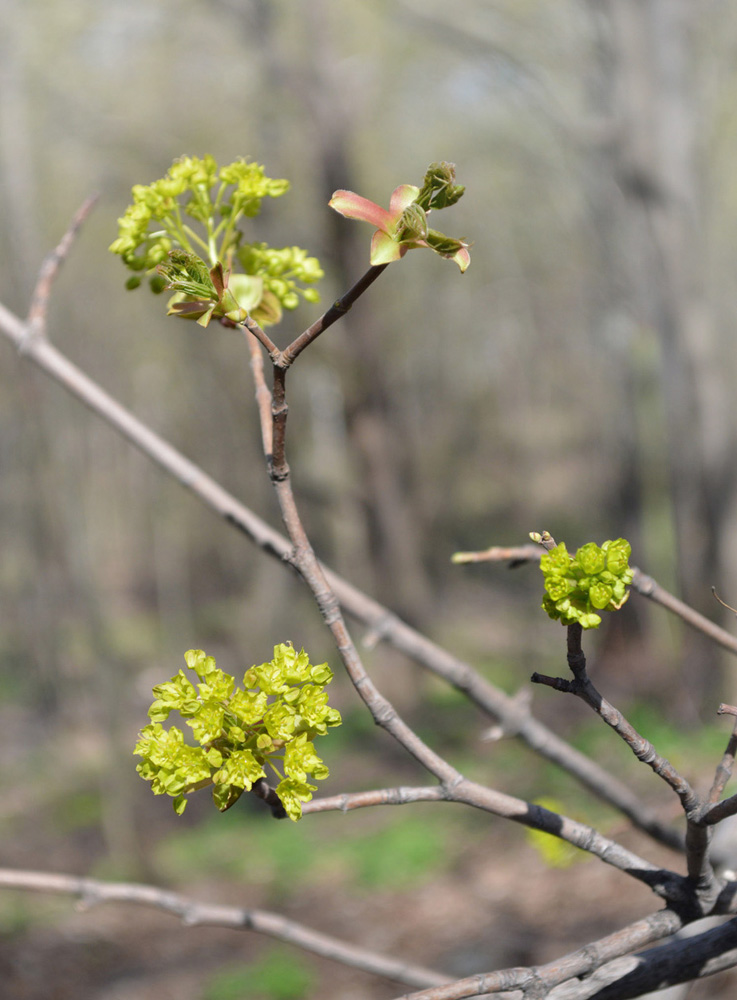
x=723, y=603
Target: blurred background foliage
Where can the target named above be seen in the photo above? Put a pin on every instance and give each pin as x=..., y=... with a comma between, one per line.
x=577, y=378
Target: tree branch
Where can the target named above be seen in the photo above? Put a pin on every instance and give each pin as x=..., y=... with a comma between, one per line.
x=336, y=311
x=515, y=719
x=50, y=270
x=538, y=980
x=664, y=883
x=725, y=766
x=92, y=892
x=304, y=560
x=584, y=689
x=700, y=871
x=643, y=584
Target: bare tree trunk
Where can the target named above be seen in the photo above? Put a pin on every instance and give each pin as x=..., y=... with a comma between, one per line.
x=654, y=159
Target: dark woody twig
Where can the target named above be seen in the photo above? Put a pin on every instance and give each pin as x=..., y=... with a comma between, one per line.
x=583, y=688
x=699, y=867
x=336, y=311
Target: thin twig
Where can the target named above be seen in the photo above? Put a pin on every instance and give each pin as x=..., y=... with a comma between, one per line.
x=336, y=311
x=643, y=584
x=263, y=396
x=584, y=689
x=253, y=327
x=700, y=870
x=399, y=796
x=50, y=269
x=664, y=883
x=720, y=810
x=305, y=561
x=93, y=891
x=726, y=764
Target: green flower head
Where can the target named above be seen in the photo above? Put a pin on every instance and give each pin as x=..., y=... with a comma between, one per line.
x=270, y=723
x=594, y=579
x=183, y=231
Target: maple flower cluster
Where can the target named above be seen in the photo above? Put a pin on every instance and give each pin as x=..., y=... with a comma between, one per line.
x=270, y=722
x=184, y=228
x=595, y=579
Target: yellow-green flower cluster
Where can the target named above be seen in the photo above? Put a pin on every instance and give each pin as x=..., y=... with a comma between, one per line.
x=270, y=721
x=196, y=208
x=281, y=270
x=595, y=579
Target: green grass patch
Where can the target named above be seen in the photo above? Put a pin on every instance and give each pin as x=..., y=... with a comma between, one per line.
x=279, y=975
x=404, y=852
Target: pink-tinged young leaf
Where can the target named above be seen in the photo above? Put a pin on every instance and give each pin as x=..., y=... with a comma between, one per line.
x=219, y=279
x=462, y=258
x=402, y=197
x=384, y=249
x=386, y=245
x=353, y=206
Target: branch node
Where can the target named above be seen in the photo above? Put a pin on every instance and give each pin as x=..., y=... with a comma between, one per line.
x=34, y=333
x=512, y=726
x=278, y=474
x=378, y=630
x=450, y=786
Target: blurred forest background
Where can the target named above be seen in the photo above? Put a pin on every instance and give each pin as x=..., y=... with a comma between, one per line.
x=579, y=377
